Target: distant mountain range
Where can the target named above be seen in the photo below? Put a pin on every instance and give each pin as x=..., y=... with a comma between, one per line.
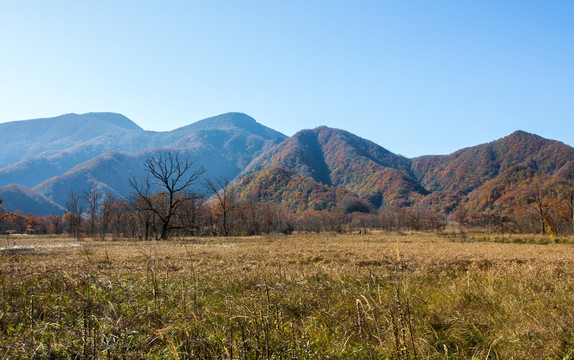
x=42, y=160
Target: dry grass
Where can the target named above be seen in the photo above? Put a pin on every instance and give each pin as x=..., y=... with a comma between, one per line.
x=300, y=296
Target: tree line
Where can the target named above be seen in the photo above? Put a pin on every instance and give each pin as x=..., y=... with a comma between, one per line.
x=199, y=215
x=173, y=201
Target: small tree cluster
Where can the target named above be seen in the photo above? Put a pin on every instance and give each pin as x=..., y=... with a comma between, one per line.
x=19, y=223
x=410, y=218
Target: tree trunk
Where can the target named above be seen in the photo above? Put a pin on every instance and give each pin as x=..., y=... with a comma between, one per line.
x=164, y=230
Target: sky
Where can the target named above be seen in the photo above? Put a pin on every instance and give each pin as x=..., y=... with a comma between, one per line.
x=416, y=77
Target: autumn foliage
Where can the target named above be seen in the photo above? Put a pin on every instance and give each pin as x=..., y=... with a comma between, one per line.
x=328, y=179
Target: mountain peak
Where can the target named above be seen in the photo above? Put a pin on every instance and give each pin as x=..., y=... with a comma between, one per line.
x=67, y=120
x=114, y=119
x=521, y=134
x=323, y=131
x=233, y=120
x=524, y=138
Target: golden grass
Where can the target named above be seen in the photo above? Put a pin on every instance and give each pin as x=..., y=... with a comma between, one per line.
x=298, y=296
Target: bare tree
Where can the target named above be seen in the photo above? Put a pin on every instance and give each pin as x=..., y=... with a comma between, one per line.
x=93, y=197
x=173, y=174
x=75, y=209
x=192, y=213
x=497, y=218
x=106, y=213
x=221, y=192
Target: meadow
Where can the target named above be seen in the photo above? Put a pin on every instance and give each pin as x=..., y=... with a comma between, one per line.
x=303, y=296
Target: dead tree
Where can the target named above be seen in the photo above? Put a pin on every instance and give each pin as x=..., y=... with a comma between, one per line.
x=221, y=192
x=75, y=209
x=173, y=174
x=93, y=197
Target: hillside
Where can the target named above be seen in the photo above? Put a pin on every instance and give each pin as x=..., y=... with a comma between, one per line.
x=315, y=169
x=32, y=171
x=498, y=174
x=24, y=139
x=45, y=154
x=477, y=177
x=75, y=152
x=467, y=169
x=340, y=159
x=222, y=145
x=16, y=197
x=109, y=173
x=292, y=191
x=514, y=187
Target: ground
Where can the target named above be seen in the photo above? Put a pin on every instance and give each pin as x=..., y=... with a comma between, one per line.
x=380, y=295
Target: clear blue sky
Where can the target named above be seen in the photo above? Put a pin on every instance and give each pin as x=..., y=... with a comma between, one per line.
x=417, y=77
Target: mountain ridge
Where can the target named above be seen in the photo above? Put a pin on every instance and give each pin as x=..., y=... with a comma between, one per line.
x=338, y=158
x=59, y=156
x=220, y=147
x=19, y=198
x=485, y=161
x=316, y=169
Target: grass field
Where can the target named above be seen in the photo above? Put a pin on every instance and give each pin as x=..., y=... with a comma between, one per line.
x=310, y=296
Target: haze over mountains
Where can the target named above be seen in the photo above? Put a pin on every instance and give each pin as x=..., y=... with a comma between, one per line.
x=316, y=169
x=105, y=150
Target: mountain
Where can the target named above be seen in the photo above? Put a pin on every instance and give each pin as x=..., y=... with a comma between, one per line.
x=25, y=139
x=514, y=187
x=32, y=171
x=223, y=145
x=234, y=136
x=467, y=169
x=315, y=169
x=109, y=173
x=338, y=158
x=50, y=147
x=501, y=173
x=33, y=151
x=17, y=197
x=293, y=191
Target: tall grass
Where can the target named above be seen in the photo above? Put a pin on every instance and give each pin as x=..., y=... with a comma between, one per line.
x=288, y=297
